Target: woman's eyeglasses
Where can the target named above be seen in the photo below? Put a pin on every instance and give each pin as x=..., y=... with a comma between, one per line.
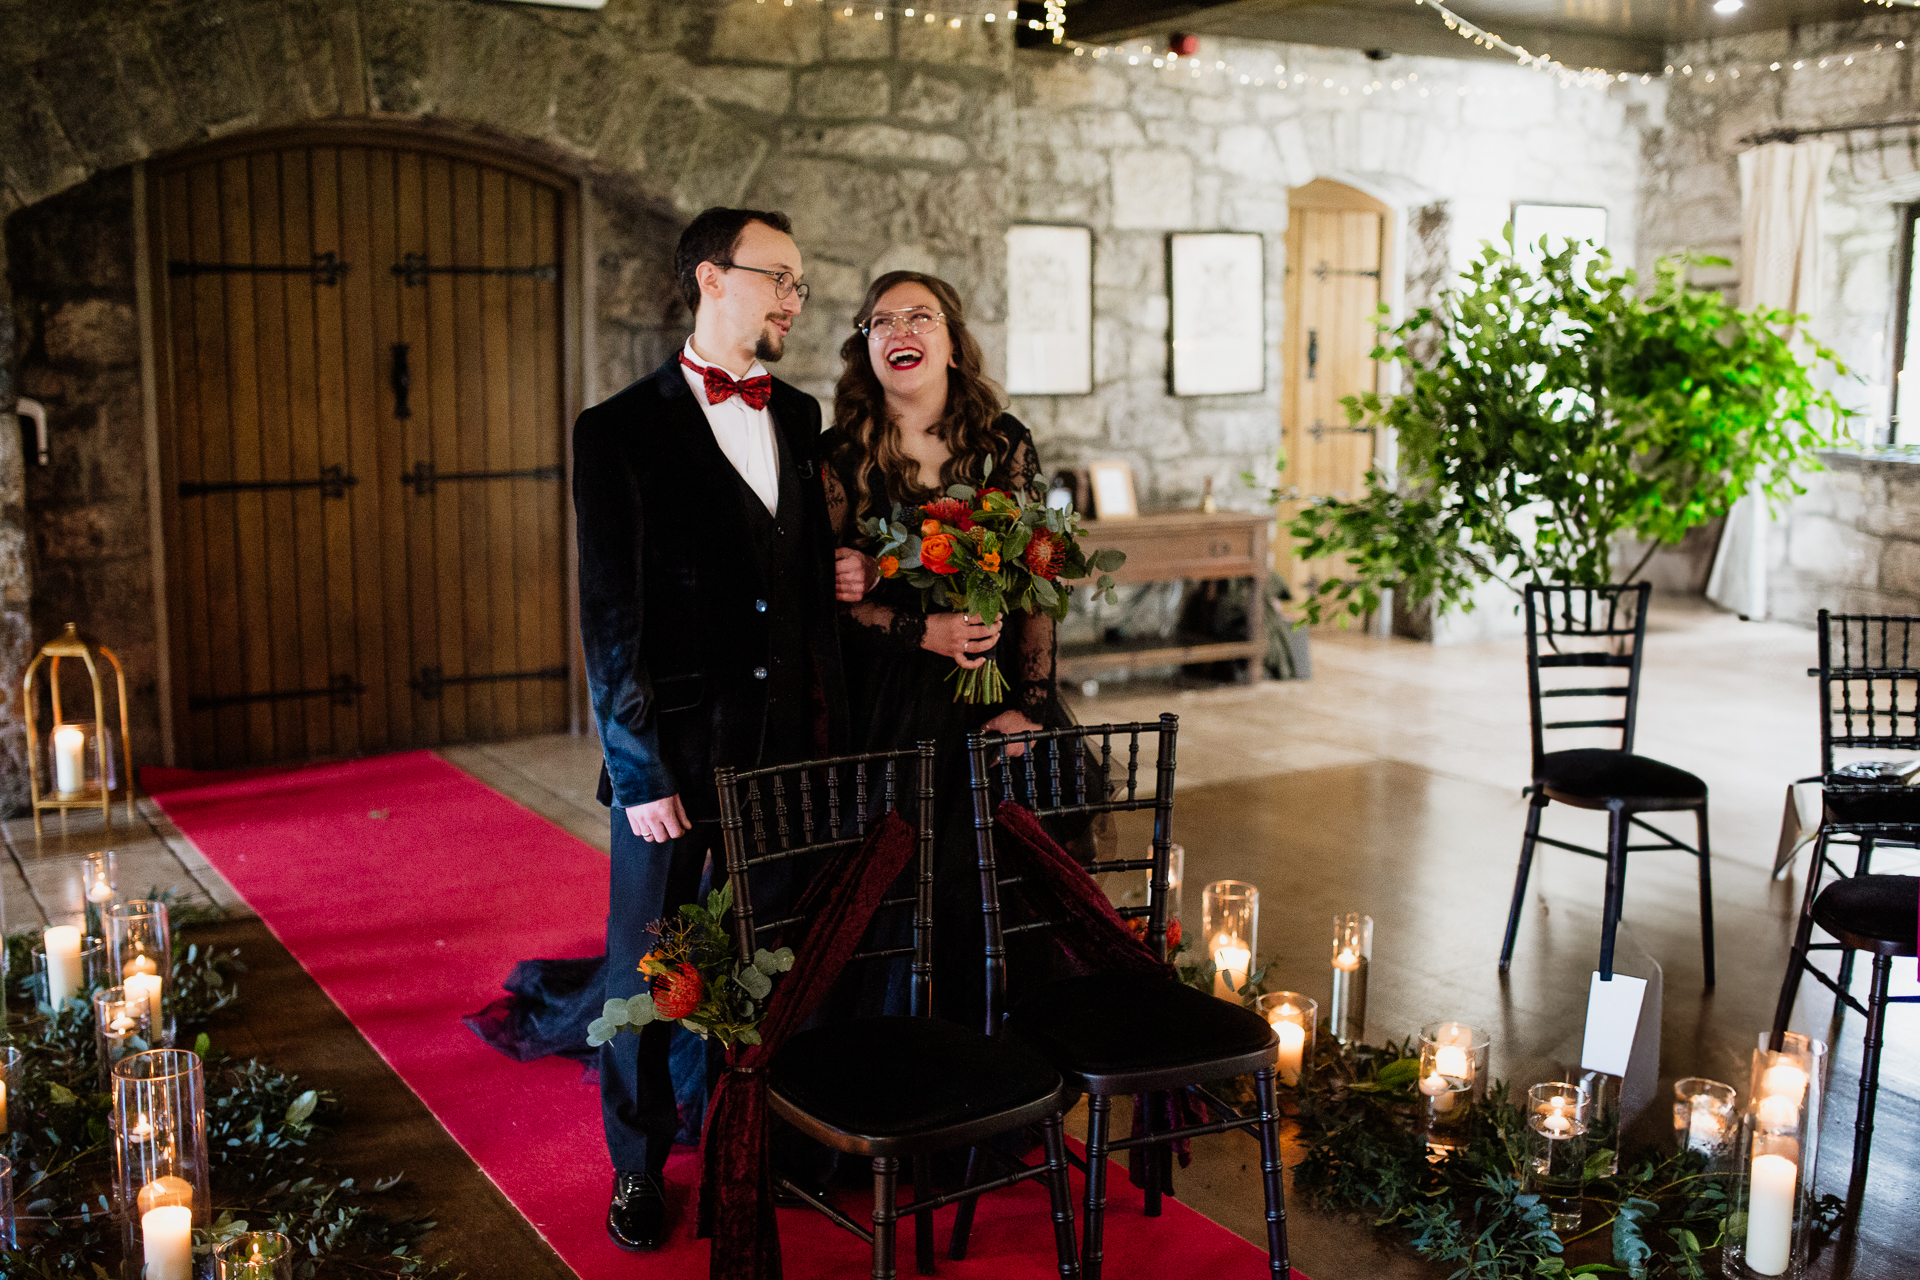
x=783, y=282
x=885, y=324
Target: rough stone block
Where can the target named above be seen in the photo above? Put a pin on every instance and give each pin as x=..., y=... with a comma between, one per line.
x=205, y=67
x=1152, y=189
x=756, y=88
x=869, y=142
x=96, y=331
x=719, y=164
x=749, y=32
x=842, y=93
x=972, y=44
x=1900, y=567
x=854, y=209
x=931, y=100
x=1836, y=552
x=1248, y=150
x=857, y=35
x=1222, y=110
x=1106, y=130
x=1048, y=81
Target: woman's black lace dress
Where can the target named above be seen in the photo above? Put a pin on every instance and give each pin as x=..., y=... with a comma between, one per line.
x=901, y=694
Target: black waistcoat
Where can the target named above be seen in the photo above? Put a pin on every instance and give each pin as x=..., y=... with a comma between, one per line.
x=778, y=542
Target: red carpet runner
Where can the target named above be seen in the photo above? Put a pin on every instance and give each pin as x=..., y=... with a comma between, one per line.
x=407, y=890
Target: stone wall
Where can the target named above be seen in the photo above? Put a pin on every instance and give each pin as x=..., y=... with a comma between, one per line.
x=1844, y=544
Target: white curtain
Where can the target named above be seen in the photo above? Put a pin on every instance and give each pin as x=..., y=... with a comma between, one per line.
x=1779, y=268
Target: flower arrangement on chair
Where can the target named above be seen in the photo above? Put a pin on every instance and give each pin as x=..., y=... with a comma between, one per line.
x=697, y=980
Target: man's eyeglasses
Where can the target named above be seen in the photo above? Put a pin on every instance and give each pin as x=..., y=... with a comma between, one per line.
x=783, y=282
x=884, y=324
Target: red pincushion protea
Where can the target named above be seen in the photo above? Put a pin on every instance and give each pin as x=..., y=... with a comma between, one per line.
x=1044, y=556
x=678, y=994
x=950, y=511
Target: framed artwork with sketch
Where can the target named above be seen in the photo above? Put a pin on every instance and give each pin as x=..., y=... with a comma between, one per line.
x=1217, y=330
x=1049, y=310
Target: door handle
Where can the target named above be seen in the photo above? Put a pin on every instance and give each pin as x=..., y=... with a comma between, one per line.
x=1313, y=353
x=402, y=382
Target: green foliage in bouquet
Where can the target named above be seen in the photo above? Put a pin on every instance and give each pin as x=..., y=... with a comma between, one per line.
x=1361, y=1121
x=262, y=1126
x=989, y=552
x=697, y=980
x=1550, y=408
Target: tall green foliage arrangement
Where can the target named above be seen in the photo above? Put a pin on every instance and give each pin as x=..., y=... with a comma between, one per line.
x=1550, y=408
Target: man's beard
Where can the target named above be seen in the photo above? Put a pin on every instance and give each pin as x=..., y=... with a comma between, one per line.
x=772, y=344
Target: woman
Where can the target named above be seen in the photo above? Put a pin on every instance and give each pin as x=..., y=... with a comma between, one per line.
x=913, y=414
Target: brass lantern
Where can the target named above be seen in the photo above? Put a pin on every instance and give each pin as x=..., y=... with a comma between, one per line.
x=79, y=771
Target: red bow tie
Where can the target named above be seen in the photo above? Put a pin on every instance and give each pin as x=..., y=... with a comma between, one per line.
x=721, y=384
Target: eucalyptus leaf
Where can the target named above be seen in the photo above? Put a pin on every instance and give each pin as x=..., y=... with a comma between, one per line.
x=599, y=1032
x=755, y=983
x=614, y=1013
x=302, y=1107
x=639, y=1009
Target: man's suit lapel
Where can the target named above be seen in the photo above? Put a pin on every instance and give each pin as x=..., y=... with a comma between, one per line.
x=709, y=470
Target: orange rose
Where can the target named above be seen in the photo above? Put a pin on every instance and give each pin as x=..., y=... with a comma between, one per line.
x=936, y=553
x=990, y=561
x=889, y=565
x=929, y=527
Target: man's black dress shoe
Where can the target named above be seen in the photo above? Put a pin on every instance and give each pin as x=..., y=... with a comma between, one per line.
x=637, y=1218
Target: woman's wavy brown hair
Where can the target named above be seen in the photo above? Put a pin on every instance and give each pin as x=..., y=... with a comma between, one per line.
x=970, y=427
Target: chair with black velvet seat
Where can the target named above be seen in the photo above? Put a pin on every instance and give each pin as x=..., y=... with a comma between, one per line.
x=1583, y=629
x=889, y=1089
x=1116, y=1033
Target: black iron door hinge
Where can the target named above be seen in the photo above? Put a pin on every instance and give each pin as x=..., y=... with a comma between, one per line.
x=432, y=682
x=414, y=268
x=326, y=268
x=425, y=477
x=340, y=690
x=333, y=483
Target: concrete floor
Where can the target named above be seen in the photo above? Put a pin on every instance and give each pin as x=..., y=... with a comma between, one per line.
x=1390, y=784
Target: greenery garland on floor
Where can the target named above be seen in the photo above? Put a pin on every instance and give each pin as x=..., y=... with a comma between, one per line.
x=261, y=1124
x=1362, y=1124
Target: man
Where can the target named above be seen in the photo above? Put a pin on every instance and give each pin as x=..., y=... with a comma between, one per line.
x=707, y=572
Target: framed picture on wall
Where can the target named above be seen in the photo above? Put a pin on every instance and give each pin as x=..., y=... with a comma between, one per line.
x=1559, y=223
x=1217, y=286
x=1049, y=311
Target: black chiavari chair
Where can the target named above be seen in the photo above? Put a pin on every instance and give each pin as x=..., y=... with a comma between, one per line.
x=886, y=1088
x=1116, y=1033
x=1583, y=629
x=1869, y=677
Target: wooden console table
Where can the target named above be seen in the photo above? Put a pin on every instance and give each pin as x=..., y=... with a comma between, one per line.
x=1169, y=547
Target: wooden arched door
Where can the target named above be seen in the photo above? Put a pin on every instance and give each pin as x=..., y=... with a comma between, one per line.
x=360, y=345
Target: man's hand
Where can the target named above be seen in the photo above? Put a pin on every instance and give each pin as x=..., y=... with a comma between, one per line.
x=854, y=574
x=1011, y=722
x=960, y=636
x=659, y=821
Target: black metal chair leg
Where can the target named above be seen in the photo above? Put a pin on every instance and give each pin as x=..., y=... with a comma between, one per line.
x=963, y=1213
x=1150, y=1154
x=1099, y=1113
x=886, y=1196
x=1061, y=1195
x=1870, y=1066
x=1706, y=894
x=1616, y=887
x=1797, y=954
x=923, y=1220
x=1520, y=878
x=1270, y=1176
x=1862, y=861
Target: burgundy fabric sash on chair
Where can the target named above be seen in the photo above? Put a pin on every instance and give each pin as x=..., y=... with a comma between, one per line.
x=736, y=1175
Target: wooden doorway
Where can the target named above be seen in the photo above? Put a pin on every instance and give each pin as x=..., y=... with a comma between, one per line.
x=1337, y=245
x=360, y=347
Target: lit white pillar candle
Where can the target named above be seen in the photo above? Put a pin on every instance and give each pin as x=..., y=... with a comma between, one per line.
x=1438, y=1092
x=144, y=988
x=1454, y=1060
x=63, y=962
x=1293, y=1042
x=69, y=759
x=166, y=1234
x=1230, y=960
x=1770, y=1215
x=99, y=890
x=3, y=1105
x=142, y=963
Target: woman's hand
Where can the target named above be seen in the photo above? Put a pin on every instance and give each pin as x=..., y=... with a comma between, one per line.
x=959, y=636
x=854, y=574
x=1012, y=722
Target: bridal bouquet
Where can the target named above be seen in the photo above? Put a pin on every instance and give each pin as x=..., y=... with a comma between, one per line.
x=697, y=980
x=989, y=552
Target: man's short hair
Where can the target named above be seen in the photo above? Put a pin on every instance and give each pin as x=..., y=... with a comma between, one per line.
x=711, y=238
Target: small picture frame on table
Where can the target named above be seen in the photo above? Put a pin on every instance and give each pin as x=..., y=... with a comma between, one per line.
x=1112, y=486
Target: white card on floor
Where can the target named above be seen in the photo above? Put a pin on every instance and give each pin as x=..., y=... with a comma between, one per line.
x=1613, y=1013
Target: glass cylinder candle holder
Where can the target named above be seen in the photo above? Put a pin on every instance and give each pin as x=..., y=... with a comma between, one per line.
x=1557, y=1149
x=73, y=760
x=9, y=1238
x=98, y=885
x=65, y=965
x=1293, y=1018
x=254, y=1255
x=1772, y=1204
x=140, y=953
x=13, y=1067
x=1352, y=954
x=1603, y=1116
x=122, y=1026
x=1230, y=923
x=1454, y=1065
x=160, y=1166
x=1176, y=875
x=1704, y=1119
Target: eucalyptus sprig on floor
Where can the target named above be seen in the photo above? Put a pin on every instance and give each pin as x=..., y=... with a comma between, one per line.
x=261, y=1123
x=1361, y=1122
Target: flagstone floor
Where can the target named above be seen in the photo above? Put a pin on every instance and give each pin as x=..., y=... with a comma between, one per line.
x=1390, y=783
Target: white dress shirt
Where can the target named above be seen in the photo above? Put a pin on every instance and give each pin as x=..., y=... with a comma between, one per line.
x=744, y=434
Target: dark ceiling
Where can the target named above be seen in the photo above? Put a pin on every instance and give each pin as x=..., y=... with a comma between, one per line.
x=1617, y=34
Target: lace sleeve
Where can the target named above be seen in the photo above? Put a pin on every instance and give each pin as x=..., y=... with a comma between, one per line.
x=839, y=508
x=1033, y=657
